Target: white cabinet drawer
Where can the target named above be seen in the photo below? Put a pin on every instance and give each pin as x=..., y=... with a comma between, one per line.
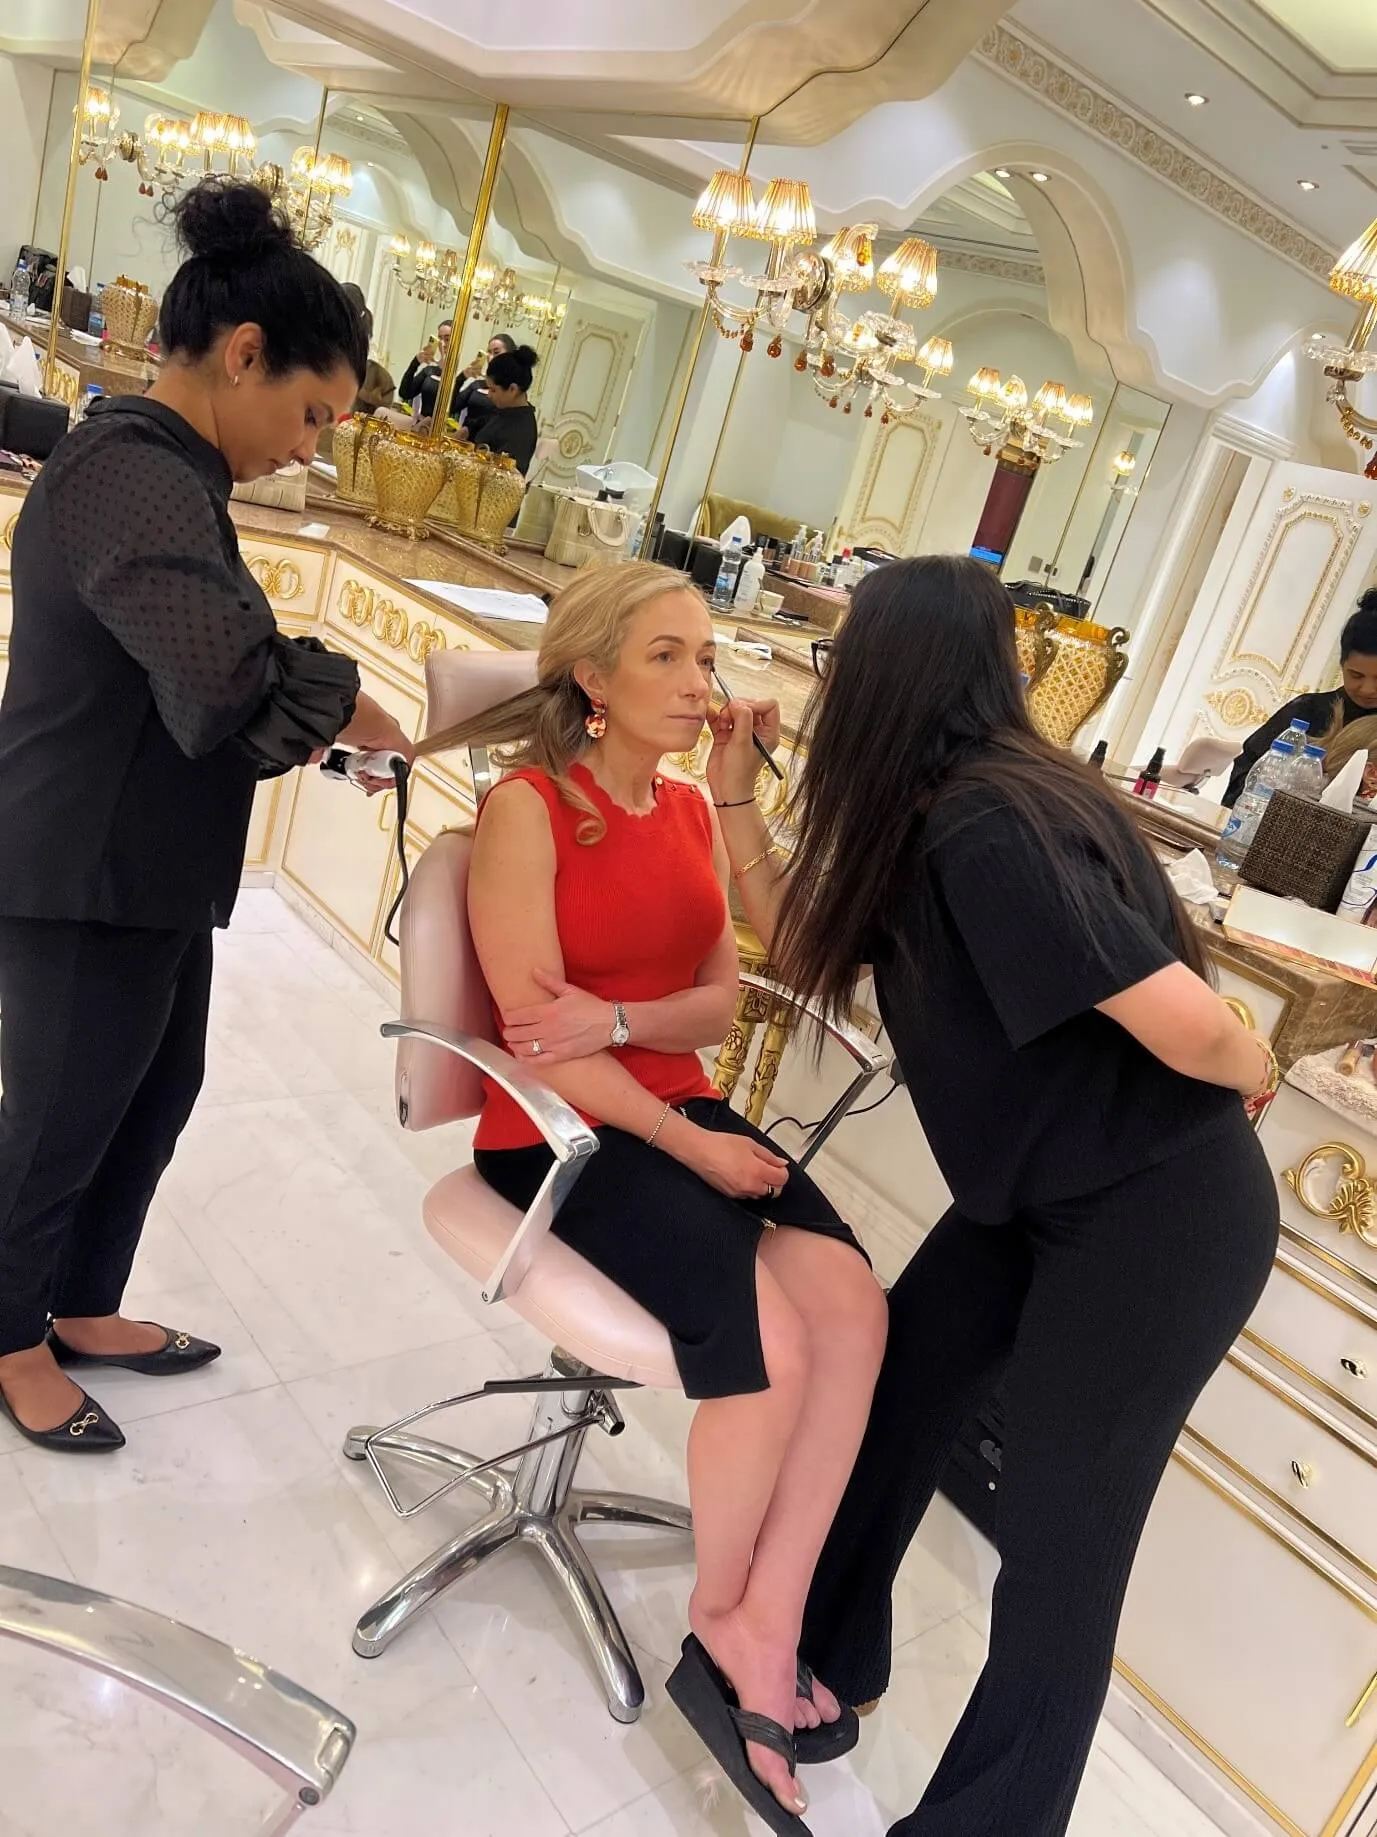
x=1323, y=1471
x=1321, y=1332
x=1253, y=1651
x=1326, y=1169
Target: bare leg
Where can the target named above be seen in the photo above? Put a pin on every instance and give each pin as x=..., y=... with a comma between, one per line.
x=110, y=1335
x=755, y=1637
x=37, y=1389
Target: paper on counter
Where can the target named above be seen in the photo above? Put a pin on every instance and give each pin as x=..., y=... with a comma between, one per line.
x=487, y=602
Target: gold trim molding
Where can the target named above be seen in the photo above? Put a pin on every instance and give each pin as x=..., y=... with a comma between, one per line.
x=280, y=579
x=389, y=623
x=1103, y=115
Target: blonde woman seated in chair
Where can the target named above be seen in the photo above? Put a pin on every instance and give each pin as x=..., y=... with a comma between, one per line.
x=597, y=900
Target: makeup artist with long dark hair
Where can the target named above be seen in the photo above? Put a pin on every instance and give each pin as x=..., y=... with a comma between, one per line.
x=1080, y=1085
x=149, y=690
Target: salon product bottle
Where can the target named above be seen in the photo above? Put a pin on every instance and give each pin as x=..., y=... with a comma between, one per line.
x=1098, y=757
x=728, y=569
x=1151, y=775
x=749, y=581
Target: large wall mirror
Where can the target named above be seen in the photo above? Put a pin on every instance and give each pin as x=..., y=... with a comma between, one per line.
x=913, y=476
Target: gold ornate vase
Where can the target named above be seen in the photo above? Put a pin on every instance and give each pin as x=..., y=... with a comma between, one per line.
x=409, y=472
x=1088, y=661
x=1034, y=634
x=353, y=461
x=457, y=504
x=500, y=499
x=130, y=312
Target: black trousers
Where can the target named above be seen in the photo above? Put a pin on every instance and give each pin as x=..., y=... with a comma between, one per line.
x=1104, y=1316
x=102, y=1052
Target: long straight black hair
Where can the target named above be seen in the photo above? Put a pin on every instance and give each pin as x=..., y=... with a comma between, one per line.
x=923, y=696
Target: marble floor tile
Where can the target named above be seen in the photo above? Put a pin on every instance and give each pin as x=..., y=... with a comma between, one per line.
x=289, y=1229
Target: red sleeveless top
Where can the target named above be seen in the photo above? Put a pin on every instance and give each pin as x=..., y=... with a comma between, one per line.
x=637, y=913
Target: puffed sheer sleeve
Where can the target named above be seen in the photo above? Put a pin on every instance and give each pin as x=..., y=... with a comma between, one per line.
x=147, y=554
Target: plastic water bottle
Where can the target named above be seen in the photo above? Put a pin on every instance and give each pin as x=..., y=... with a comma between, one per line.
x=1271, y=773
x=726, y=574
x=1307, y=775
x=1297, y=735
x=19, y=292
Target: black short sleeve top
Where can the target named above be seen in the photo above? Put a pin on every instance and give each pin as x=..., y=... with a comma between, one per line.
x=989, y=981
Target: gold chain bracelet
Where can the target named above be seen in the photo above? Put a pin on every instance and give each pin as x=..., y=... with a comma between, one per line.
x=755, y=861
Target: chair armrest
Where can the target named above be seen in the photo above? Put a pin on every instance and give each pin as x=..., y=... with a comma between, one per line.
x=863, y=1050
x=297, y=1740
x=566, y=1134
x=869, y=1059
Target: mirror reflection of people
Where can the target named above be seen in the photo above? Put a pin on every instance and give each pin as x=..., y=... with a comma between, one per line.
x=1328, y=711
x=420, y=382
x=504, y=420
x=149, y=691
x=377, y=389
x=473, y=385
x=1102, y=1251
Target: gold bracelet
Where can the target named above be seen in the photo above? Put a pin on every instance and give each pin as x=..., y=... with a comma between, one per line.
x=650, y=1139
x=755, y=861
x=1272, y=1078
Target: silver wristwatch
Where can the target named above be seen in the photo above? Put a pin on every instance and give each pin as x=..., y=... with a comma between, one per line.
x=621, y=1026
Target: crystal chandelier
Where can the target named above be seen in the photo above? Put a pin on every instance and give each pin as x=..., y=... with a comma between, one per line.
x=1001, y=414
x=784, y=221
x=170, y=152
x=1353, y=277
x=855, y=359
x=545, y=315
x=307, y=194
x=496, y=292
x=428, y=274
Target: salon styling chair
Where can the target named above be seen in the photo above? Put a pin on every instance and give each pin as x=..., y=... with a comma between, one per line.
x=604, y=1342
x=298, y=1742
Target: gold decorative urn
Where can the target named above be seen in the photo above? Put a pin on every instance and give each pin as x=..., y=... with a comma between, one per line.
x=353, y=460
x=409, y=473
x=130, y=313
x=1088, y=660
x=482, y=494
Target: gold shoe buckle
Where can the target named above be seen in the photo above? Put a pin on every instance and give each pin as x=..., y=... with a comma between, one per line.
x=88, y=1421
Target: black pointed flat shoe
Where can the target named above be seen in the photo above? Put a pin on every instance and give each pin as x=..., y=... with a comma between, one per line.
x=88, y=1430
x=181, y=1353
x=830, y=1740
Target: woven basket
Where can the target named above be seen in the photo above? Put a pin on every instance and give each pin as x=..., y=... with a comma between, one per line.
x=1303, y=851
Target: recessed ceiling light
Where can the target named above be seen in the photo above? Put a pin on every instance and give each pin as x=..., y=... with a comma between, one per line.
x=1308, y=184
x=1003, y=172
x=1039, y=178
x=1196, y=100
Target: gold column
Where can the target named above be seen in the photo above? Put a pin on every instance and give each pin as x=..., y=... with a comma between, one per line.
x=681, y=406
x=482, y=211
x=69, y=203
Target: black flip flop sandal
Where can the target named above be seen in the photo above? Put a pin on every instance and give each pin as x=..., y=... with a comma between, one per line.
x=830, y=1740
x=709, y=1705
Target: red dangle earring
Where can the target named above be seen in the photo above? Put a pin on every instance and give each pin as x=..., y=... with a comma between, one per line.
x=595, y=722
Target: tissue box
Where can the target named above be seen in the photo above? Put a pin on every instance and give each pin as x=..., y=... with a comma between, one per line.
x=32, y=424
x=1303, y=851
x=1307, y=936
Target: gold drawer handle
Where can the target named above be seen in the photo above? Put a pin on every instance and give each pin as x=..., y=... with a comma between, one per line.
x=1304, y=1472
x=1354, y=1367
x=1356, y=1714
x=1354, y=1205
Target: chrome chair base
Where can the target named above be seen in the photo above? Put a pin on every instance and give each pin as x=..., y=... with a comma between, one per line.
x=535, y=1504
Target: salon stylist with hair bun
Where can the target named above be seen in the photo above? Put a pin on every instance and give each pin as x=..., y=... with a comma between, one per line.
x=1084, y=1092
x=149, y=690
x=503, y=420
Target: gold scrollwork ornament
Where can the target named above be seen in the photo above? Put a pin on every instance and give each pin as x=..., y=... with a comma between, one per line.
x=280, y=580
x=1353, y=1207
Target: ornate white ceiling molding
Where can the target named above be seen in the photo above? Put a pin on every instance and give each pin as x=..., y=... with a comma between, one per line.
x=1105, y=116
x=998, y=267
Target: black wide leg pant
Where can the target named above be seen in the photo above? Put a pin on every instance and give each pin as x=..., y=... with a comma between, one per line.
x=1104, y=1316
x=102, y=1052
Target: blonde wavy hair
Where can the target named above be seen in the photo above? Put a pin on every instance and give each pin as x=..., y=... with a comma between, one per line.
x=1358, y=737
x=544, y=727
